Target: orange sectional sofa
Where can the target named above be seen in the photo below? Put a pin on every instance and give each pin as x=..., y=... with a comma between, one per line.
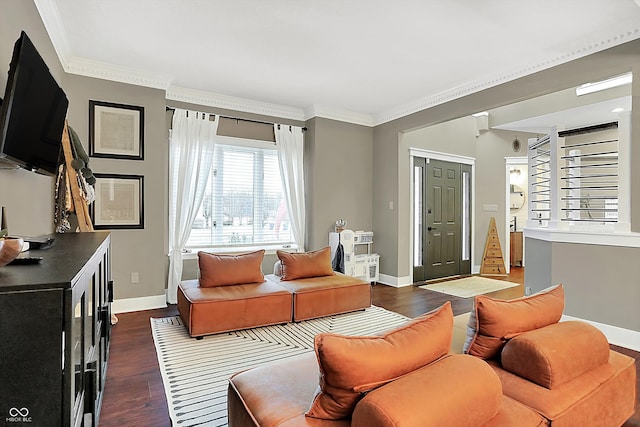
x=565, y=371
x=522, y=368
x=232, y=293
x=405, y=377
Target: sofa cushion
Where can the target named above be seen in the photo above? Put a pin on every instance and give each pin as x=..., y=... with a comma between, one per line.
x=456, y=390
x=225, y=270
x=350, y=366
x=556, y=354
x=276, y=394
x=326, y=295
x=493, y=321
x=305, y=264
x=604, y=396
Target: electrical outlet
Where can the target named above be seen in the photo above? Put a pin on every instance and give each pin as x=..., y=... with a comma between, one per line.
x=527, y=290
x=135, y=277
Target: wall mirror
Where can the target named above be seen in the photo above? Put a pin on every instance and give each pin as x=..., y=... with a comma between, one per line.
x=516, y=198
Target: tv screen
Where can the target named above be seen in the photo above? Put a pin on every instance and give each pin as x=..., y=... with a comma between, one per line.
x=33, y=112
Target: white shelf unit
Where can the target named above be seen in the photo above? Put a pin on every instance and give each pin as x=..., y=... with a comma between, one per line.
x=365, y=265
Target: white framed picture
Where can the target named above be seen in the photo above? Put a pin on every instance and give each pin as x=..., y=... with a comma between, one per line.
x=116, y=130
x=119, y=202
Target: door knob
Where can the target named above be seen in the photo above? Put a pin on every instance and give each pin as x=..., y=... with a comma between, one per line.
x=431, y=228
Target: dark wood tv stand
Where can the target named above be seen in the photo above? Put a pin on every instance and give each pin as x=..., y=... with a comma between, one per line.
x=54, y=333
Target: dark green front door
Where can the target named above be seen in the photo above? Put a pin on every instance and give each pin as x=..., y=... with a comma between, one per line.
x=442, y=219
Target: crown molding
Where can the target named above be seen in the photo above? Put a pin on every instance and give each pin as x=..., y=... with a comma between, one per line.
x=53, y=24
x=211, y=99
x=86, y=67
x=338, y=114
x=500, y=78
x=116, y=73
x=75, y=65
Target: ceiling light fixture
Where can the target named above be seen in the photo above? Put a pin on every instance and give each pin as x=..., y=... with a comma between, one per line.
x=617, y=110
x=586, y=88
x=480, y=114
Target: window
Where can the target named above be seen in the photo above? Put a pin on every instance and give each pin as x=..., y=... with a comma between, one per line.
x=244, y=205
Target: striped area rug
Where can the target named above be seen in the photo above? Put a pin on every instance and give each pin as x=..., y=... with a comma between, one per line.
x=196, y=372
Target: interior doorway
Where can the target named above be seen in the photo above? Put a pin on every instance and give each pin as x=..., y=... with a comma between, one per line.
x=516, y=215
x=442, y=219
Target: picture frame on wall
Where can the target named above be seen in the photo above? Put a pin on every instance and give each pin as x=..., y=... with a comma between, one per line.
x=119, y=202
x=116, y=131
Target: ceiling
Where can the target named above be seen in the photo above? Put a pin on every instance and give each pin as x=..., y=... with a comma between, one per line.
x=571, y=118
x=360, y=61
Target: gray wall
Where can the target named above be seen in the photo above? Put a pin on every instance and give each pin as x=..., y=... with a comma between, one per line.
x=601, y=282
x=340, y=178
x=141, y=251
x=539, y=255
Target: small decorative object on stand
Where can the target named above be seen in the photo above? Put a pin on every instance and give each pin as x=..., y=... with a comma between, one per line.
x=341, y=224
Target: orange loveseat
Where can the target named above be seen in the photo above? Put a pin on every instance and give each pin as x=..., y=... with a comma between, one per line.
x=406, y=377
x=232, y=293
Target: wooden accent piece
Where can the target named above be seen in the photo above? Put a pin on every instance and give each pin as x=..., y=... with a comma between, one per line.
x=492, y=261
x=515, y=238
x=79, y=205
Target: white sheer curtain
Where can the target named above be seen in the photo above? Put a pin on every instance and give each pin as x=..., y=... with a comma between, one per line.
x=290, y=146
x=193, y=137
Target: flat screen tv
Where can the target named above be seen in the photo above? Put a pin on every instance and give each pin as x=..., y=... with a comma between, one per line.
x=33, y=112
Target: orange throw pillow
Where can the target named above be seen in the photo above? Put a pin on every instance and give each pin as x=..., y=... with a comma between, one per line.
x=351, y=366
x=225, y=270
x=305, y=264
x=493, y=322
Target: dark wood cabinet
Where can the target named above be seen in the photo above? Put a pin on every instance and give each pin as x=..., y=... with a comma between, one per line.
x=55, y=326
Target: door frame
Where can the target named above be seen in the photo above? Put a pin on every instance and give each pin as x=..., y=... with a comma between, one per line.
x=453, y=158
x=508, y=162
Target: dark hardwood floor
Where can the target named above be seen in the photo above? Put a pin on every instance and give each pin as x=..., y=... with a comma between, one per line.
x=134, y=394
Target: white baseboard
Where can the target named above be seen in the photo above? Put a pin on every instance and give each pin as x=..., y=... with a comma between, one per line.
x=615, y=335
x=396, y=282
x=138, y=304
